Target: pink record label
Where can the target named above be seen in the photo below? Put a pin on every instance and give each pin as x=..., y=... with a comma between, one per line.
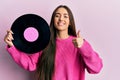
x=31, y=34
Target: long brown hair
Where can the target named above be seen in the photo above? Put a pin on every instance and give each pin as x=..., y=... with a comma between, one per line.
x=45, y=66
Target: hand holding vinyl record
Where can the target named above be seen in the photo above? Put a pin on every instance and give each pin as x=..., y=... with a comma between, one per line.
x=31, y=34
x=8, y=38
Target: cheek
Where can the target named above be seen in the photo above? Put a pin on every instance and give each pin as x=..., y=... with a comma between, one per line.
x=55, y=21
x=68, y=24
x=68, y=21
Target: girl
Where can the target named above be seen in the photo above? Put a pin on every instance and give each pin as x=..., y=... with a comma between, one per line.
x=67, y=55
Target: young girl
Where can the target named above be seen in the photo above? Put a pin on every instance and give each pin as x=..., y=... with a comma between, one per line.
x=67, y=55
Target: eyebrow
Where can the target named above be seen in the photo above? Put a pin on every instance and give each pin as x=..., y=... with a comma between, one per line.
x=63, y=14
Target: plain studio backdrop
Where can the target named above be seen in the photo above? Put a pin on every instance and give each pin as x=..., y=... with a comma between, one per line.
x=98, y=21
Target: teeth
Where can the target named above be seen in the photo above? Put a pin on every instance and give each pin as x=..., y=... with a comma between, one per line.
x=60, y=24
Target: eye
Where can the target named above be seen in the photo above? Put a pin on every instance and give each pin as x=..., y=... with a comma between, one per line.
x=57, y=15
x=66, y=16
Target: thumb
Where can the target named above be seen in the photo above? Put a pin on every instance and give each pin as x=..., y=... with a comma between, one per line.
x=78, y=33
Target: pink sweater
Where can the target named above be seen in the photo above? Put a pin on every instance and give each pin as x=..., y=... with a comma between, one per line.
x=70, y=62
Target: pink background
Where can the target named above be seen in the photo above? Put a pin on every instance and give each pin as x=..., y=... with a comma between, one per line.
x=98, y=20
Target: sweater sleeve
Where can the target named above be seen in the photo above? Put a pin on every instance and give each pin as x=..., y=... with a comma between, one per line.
x=26, y=61
x=92, y=60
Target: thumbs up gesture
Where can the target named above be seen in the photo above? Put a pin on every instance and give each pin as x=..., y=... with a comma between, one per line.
x=78, y=41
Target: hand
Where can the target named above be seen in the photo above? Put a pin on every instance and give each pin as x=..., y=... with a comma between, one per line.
x=78, y=41
x=8, y=38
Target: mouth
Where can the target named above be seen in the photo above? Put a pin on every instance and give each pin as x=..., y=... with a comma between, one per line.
x=61, y=23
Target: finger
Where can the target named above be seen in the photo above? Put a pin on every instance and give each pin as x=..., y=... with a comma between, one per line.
x=8, y=41
x=9, y=32
x=78, y=33
x=9, y=37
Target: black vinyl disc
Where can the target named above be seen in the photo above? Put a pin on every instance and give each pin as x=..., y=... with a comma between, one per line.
x=37, y=28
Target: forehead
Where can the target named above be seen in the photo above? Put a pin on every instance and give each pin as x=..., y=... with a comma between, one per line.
x=62, y=11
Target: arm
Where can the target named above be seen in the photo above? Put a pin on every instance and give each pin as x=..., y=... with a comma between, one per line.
x=26, y=61
x=92, y=60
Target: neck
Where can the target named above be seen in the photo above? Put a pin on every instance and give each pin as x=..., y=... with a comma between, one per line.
x=62, y=34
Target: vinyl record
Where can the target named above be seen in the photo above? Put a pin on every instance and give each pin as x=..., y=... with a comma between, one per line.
x=31, y=33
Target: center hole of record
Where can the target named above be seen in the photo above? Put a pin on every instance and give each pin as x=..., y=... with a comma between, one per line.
x=31, y=34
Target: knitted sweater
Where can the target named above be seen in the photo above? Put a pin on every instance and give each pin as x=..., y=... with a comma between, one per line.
x=70, y=62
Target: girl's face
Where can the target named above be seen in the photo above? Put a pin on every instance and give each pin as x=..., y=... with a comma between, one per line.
x=61, y=20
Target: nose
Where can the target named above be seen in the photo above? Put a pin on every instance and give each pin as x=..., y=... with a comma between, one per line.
x=61, y=17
